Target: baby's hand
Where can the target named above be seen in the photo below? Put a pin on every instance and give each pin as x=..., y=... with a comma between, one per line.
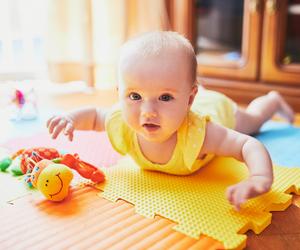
x=252, y=187
x=57, y=124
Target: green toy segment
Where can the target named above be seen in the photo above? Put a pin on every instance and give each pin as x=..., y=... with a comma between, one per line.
x=5, y=163
x=15, y=167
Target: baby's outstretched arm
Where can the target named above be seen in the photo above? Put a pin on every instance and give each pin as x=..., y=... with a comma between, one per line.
x=226, y=142
x=80, y=119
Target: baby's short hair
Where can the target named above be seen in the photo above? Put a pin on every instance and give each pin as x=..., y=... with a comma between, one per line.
x=152, y=43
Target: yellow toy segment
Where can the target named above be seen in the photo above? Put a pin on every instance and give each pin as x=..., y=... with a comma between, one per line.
x=54, y=181
x=197, y=202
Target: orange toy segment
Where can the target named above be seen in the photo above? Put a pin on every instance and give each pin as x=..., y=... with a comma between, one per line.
x=85, y=169
x=34, y=155
x=98, y=176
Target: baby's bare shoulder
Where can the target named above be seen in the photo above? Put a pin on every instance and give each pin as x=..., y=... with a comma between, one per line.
x=223, y=141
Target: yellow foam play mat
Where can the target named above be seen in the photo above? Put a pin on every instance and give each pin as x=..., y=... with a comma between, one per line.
x=197, y=203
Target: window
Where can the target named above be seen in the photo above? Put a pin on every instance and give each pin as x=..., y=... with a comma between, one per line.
x=22, y=39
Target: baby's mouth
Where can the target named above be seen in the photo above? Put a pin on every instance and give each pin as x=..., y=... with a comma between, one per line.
x=151, y=127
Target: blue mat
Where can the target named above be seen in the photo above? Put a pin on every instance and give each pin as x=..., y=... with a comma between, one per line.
x=283, y=142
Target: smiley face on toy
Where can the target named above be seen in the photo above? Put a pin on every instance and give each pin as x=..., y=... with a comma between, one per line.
x=52, y=179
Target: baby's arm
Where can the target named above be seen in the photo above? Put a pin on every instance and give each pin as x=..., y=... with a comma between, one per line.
x=226, y=142
x=80, y=119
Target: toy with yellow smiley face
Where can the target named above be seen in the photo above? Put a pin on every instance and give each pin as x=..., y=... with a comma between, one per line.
x=52, y=179
x=51, y=172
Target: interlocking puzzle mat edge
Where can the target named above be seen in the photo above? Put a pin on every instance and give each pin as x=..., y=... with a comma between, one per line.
x=125, y=181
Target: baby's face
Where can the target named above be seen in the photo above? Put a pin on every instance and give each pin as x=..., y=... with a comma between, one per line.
x=156, y=94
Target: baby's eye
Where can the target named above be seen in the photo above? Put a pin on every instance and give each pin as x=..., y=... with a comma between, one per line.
x=166, y=98
x=135, y=96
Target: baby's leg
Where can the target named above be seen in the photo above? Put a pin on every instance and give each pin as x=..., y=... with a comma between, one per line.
x=260, y=110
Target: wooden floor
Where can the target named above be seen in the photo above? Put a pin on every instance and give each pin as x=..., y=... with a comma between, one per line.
x=284, y=231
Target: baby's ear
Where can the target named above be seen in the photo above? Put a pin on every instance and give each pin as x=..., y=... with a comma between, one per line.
x=193, y=94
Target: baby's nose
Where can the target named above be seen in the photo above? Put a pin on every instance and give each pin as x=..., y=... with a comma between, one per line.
x=149, y=114
x=148, y=111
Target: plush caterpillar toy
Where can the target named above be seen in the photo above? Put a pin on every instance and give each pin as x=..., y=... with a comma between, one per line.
x=50, y=172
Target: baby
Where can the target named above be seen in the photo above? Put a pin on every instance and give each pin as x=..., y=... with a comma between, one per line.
x=165, y=124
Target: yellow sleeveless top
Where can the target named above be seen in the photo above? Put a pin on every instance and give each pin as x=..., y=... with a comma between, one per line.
x=190, y=136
